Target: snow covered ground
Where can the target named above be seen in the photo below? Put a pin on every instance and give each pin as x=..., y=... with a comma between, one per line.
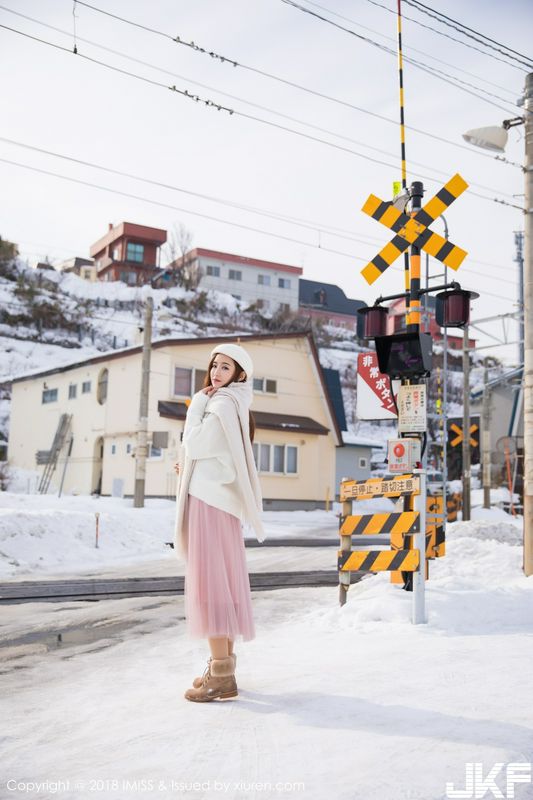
x=352, y=702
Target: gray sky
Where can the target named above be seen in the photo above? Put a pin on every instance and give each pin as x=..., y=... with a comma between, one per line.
x=67, y=105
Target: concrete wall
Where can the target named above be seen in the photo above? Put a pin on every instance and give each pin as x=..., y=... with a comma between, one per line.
x=348, y=464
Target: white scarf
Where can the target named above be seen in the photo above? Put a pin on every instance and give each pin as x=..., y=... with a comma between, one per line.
x=231, y=404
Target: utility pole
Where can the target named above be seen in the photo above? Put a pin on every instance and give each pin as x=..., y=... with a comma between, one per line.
x=528, y=330
x=485, y=420
x=141, y=450
x=466, y=426
x=519, y=259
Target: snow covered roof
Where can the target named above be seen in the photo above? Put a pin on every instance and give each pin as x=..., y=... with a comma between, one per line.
x=350, y=438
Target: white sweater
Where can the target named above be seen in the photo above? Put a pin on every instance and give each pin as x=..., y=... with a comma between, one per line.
x=213, y=478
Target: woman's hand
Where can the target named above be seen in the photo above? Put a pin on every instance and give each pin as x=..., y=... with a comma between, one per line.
x=209, y=390
x=177, y=469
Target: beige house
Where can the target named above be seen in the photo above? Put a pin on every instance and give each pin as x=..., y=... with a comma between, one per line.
x=91, y=409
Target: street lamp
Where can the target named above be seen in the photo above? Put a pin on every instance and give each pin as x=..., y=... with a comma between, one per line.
x=495, y=139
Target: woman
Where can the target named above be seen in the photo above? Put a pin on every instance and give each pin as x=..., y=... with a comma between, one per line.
x=218, y=488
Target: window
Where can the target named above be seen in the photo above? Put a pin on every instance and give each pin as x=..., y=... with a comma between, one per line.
x=101, y=394
x=113, y=449
x=72, y=391
x=292, y=460
x=135, y=252
x=277, y=459
x=264, y=280
x=284, y=307
x=265, y=385
x=160, y=440
x=214, y=271
x=363, y=463
x=154, y=452
x=116, y=254
x=199, y=378
x=182, y=381
x=264, y=458
x=86, y=387
x=284, y=283
x=235, y=275
x=128, y=448
x=49, y=395
x=261, y=303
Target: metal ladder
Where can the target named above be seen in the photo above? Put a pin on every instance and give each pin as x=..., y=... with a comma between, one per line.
x=60, y=437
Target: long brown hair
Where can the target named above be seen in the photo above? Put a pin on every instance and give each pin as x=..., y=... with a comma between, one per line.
x=238, y=370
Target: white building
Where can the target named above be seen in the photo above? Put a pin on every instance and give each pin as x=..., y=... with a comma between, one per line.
x=268, y=285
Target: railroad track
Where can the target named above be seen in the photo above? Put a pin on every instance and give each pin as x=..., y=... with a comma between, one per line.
x=114, y=588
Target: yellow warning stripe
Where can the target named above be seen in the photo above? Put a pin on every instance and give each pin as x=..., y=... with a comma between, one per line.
x=378, y=560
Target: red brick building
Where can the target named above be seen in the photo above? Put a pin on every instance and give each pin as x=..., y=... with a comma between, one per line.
x=128, y=253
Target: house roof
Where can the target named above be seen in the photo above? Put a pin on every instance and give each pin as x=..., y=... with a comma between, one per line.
x=353, y=440
x=156, y=236
x=262, y=419
x=331, y=376
x=200, y=252
x=327, y=296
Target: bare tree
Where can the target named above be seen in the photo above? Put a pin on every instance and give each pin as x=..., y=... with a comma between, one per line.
x=176, y=248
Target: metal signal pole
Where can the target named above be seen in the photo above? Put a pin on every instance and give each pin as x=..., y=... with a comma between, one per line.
x=402, y=145
x=528, y=330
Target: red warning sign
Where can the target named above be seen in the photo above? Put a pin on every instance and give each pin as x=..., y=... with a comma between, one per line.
x=374, y=393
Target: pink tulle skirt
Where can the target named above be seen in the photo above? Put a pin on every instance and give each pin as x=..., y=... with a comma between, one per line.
x=218, y=600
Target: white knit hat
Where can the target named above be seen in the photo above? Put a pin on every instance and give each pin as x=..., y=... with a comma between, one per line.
x=238, y=354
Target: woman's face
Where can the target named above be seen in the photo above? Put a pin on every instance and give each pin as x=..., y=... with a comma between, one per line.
x=222, y=371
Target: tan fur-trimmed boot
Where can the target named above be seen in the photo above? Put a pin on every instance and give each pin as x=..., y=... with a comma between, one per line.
x=218, y=682
x=197, y=682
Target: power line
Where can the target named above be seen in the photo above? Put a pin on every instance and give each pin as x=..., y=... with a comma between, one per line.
x=431, y=70
x=198, y=214
x=181, y=210
x=466, y=31
x=230, y=111
x=412, y=49
x=247, y=102
x=447, y=36
x=225, y=59
x=426, y=68
x=309, y=225
x=315, y=227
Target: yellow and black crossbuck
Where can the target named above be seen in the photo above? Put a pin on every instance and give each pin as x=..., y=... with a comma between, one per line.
x=414, y=230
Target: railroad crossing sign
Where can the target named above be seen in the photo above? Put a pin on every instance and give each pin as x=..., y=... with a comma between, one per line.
x=459, y=435
x=414, y=230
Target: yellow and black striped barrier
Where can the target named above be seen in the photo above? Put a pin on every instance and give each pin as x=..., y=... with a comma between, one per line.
x=370, y=524
x=378, y=560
